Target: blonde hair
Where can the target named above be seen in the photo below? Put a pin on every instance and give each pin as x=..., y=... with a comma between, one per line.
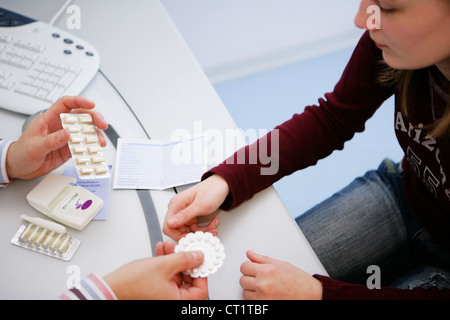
x=406, y=82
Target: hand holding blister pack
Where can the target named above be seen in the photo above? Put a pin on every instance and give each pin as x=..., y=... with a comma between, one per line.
x=213, y=251
x=60, y=198
x=84, y=146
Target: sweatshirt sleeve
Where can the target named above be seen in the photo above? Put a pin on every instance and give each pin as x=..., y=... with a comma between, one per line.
x=92, y=287
x=4, y=146
x=313, y=134
x=338, y=290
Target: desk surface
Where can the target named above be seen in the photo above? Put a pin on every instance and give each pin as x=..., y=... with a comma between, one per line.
x=156, y=74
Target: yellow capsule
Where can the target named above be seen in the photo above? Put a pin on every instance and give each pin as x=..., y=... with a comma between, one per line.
x=49, y=239
x=33, y=235
x=58, y=243
x=25, y=235
x=40, y=239
x=55, y=244
x=65, y=245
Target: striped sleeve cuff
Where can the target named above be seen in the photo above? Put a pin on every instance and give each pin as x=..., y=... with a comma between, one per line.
x=4, y=179
x=92, y=287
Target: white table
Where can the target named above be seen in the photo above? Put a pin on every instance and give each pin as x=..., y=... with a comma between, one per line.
x=148, y=62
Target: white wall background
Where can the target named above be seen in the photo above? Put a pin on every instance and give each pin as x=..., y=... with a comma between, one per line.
x=232, y=38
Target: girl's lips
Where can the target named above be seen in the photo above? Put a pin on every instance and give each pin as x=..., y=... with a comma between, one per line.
x=381, y=46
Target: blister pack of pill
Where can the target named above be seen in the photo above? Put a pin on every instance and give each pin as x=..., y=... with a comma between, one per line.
x=213, y=251
x=84, y=146
x=45, y=241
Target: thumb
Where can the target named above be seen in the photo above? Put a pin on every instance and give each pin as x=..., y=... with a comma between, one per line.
x=182, y=261
x=183, y=217
x=257, y=258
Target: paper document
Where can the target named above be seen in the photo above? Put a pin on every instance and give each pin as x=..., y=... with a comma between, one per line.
x=159, y=164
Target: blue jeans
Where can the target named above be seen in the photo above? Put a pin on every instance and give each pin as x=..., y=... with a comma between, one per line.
x=369, y=223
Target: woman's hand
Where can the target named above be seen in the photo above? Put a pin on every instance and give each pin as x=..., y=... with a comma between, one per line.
x=160, y=277
x=202, y=199
x=43, y=146
x=265, y=278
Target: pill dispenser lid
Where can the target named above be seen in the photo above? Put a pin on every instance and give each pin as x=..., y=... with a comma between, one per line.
x=41, y=196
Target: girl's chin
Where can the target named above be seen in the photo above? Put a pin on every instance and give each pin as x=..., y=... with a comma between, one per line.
x=396, y=62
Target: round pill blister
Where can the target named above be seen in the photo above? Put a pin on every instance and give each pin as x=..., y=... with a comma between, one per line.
x=213, y=251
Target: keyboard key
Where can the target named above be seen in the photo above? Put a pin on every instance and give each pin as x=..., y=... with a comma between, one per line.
x=66, y=80
x=21, y=53
x=5, y=74
x=47, y=86
x=5, y=58
x=59, y=72
x=45, y=60
x=37, y=83
x=31, y=56
x=11, y=51
x=53, y=80
x=49, y=70
x=55, y=94
x=5, y=38
x=27, y=90
x=41, y=94
x=28, y=81
x=40, y=67
x=44, y=77
x=34, y=74
x=75, y=70
x=53, y=63
x=6, y=84
x=26, y=64
x=64, y=66
x=38, y=48
x=15, y=61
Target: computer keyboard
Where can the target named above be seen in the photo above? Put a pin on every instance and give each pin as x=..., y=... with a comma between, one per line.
x=40, y=63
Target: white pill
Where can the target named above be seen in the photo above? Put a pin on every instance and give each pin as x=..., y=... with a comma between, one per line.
x=211, y=247
x=101, y=169
x=76, y=139
x=91, y=138
x=70, y=119
x=85, y=118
